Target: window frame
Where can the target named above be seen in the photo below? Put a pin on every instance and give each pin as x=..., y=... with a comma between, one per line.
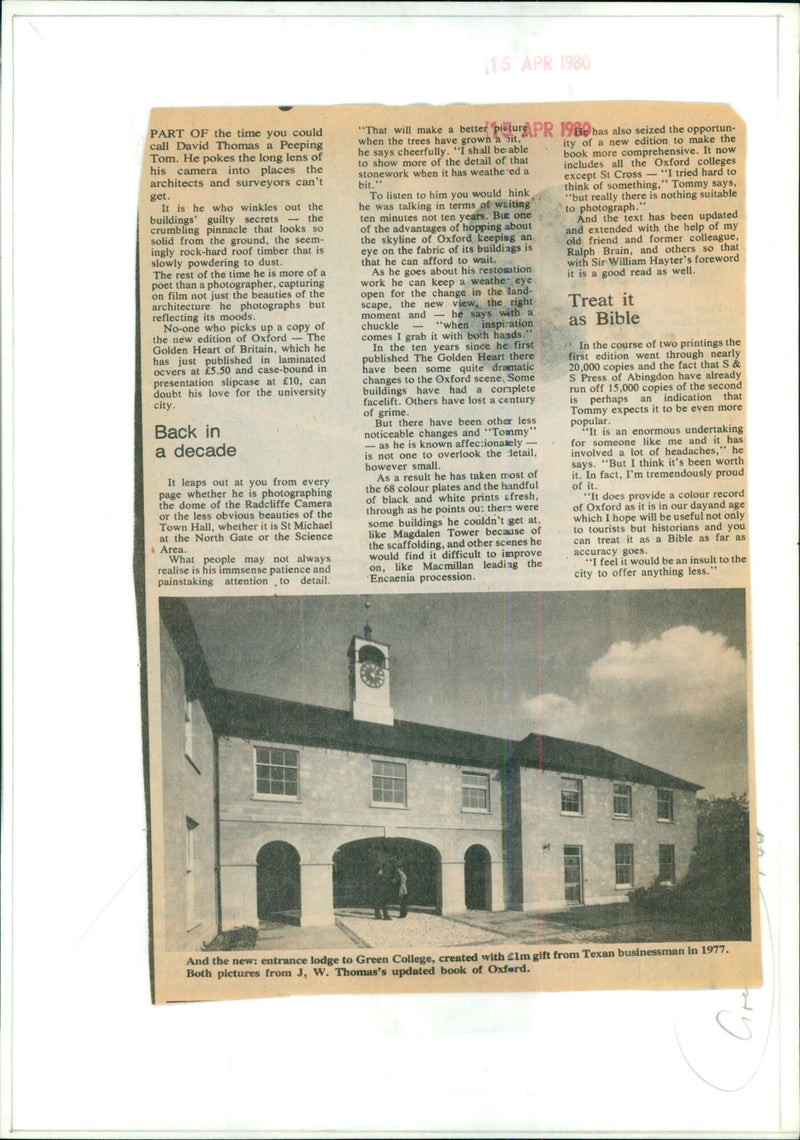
x=670, y=882
x=284, y=797
x=467, y=774
x=391, y=804
x=628, y=793
x=578, y=790
x=619, y=863
x=189, y=873
x=671, y=794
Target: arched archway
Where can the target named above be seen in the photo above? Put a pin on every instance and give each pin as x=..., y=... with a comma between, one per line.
x=478, y=878
x=355, y=865
x=278, y=882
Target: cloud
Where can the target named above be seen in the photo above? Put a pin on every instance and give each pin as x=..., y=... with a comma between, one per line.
x=550, y=706
x=683, y=672
x=682, y=675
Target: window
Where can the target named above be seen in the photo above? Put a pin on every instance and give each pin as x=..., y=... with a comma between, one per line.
x=187, y=729
x=666, y=810
x=474, y=791
x=622, y=800
x=388, y=782
x=666, y=863
x=373, y=654
x=571, y=796
x=276, y=772
x=623, y=861
x=191, y=825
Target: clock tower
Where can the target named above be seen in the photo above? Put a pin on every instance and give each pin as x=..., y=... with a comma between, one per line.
x=369, y=679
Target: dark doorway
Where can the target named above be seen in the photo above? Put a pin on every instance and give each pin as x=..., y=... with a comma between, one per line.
x=355, y=865
x=278, y=882
x=573, y=874
x=478, y=878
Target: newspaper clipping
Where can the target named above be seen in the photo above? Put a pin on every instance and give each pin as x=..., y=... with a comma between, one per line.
x=443, y=549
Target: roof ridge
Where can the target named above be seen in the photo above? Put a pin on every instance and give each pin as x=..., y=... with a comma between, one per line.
x=397, y=739
x=346, y=712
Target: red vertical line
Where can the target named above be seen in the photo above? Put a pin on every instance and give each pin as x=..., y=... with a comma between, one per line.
x=509, y=748
x=539, y=735
x=538, y=664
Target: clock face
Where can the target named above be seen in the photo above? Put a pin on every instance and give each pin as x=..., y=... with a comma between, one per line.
x=372, y=674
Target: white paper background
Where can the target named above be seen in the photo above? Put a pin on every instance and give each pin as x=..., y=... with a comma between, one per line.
x=84, y=1050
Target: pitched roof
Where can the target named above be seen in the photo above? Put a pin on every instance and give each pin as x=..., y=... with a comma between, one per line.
x=552, y=754
x=293, y=722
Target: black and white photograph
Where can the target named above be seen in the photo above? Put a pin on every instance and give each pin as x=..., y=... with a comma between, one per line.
x=455, y=770
x=399, y=563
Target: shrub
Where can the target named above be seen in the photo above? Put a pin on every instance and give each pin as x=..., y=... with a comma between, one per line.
x=240, y=938
x=716, y=889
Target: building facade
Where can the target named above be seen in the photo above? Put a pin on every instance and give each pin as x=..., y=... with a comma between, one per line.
x=280, y=809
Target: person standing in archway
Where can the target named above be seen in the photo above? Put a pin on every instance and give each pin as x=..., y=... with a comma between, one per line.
x=380, y=894
x=402, y=891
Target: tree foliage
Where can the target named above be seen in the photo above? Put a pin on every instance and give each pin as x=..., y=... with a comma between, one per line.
x=716, y=889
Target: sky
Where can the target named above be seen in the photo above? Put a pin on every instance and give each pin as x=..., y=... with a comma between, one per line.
x=656, y=675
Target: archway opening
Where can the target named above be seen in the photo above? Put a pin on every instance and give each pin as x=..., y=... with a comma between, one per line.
x=478, y=878
x=355, y=867
x=278, y=883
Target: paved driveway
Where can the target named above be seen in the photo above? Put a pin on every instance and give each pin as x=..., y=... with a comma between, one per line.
x=418, y=928
x=356, y=926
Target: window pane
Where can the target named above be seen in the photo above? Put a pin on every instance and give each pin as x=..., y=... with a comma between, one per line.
x=284, y=757
x=388, y=768
x=571, y=796
x=475, y=791
x=665, y=804
x=623, y=856
x=666, y=863
x=276, y=772
x=622, y=799
x=388, y=782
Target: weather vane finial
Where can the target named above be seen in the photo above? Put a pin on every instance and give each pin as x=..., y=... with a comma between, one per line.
x=367, y=627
